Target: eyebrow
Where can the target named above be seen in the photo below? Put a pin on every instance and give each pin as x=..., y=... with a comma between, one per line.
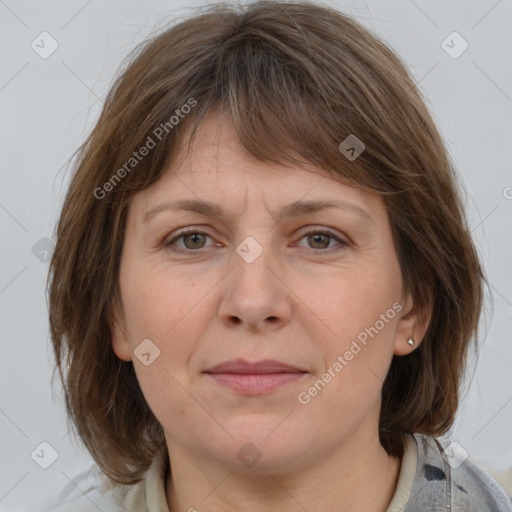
x=296, y=208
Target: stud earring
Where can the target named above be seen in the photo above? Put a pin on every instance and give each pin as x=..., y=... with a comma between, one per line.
x=410, y=341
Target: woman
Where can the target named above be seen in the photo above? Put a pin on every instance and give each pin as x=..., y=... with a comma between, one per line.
x=264, y=288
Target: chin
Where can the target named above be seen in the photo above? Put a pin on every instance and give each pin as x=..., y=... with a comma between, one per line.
x=259, y=446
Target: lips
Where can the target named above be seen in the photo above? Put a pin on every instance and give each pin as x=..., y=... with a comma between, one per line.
x=243, y=367
x=254, y=378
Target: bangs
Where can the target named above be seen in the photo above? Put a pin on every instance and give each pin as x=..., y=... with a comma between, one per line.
x=285, y=111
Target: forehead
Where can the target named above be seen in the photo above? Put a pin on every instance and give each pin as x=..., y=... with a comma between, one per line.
x=216, y=168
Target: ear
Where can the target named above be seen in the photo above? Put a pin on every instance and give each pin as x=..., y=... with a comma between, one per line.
x=118, y=333
x=413, y=323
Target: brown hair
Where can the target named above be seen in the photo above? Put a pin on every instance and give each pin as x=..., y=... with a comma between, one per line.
x=296, y=79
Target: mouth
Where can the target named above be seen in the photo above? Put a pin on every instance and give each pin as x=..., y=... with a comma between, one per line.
x=255, y=378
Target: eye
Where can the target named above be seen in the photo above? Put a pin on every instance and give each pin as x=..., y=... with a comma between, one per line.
x=320, y=240
x=192, y=240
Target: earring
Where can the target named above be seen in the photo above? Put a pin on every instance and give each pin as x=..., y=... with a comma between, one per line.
x=410, y=341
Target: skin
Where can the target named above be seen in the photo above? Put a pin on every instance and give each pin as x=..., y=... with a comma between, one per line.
x=301, y=302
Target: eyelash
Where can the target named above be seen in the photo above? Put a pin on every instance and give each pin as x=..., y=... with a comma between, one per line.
x=343, y=244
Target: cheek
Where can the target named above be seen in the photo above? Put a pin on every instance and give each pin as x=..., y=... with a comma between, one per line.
x=157, y=302
x=356, y=301
x=166, y=309
x=361, y=313
x=159, y=383
x=356, y=358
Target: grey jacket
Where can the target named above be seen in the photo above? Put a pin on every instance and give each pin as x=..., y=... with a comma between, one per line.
x=450, y=484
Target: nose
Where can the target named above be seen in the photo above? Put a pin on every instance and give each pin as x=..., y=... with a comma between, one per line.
x=255, y=294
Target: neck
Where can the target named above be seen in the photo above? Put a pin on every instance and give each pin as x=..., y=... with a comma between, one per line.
x=358, y=476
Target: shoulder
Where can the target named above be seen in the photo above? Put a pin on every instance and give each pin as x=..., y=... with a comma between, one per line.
x=447, y=477
x=481, y=484
x=91, y=490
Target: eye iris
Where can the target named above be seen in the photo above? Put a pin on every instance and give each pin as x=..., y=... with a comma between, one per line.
x=317, y=237
x=195, y=237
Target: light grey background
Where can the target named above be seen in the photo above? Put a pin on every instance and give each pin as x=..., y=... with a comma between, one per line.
x=49, y=105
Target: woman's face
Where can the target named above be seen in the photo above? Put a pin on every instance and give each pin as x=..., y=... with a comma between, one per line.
x=318, y=289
